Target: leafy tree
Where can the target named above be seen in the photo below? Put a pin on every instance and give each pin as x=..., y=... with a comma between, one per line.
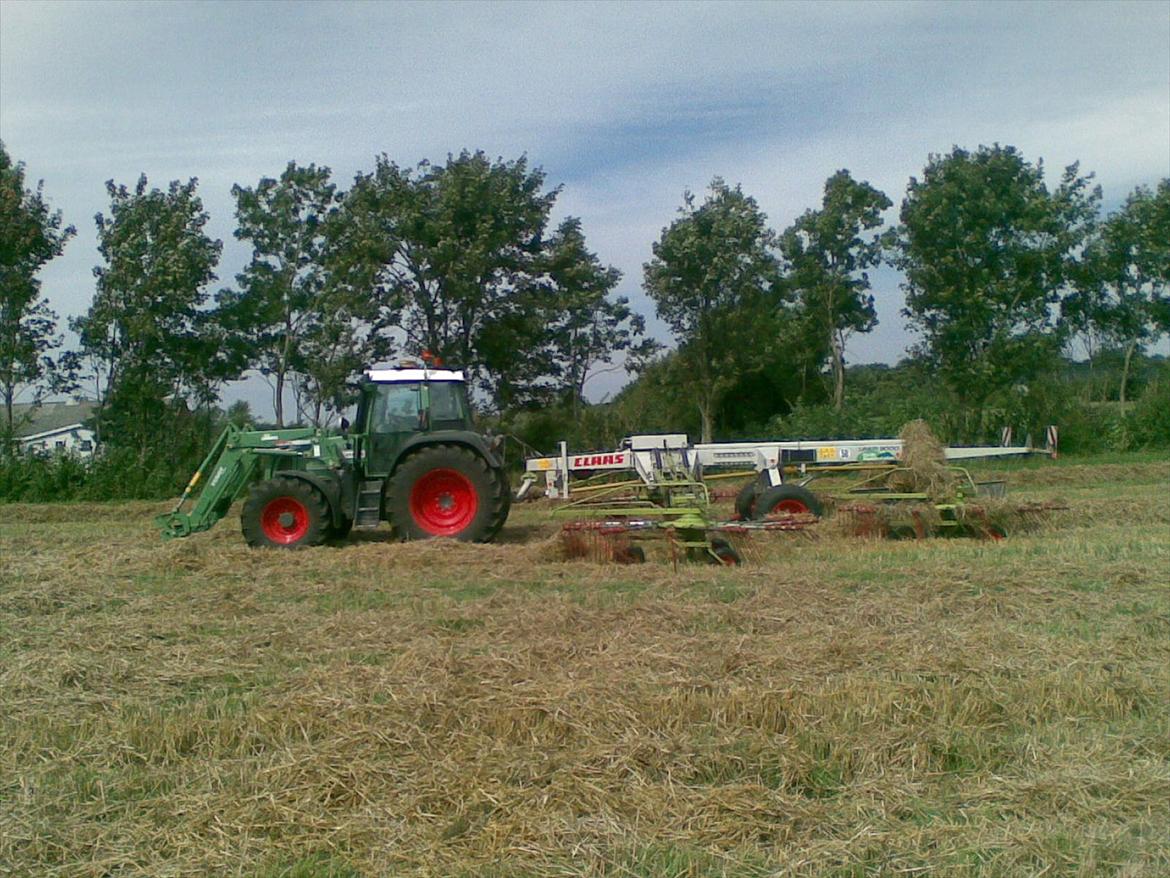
x=286, y=312
x=452, y=254
x=588, y=328
x=715, y=281
x=986, y=248
x=1122, y=293
x=827, y=255
x=336, y=347
x=146, y=333
x=240, y=414
x=30, y=236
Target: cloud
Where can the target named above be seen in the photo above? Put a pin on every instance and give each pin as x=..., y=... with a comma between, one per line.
x=628, y=105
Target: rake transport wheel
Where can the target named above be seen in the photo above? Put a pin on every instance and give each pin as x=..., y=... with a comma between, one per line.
x=446, y=491
x=790, y=499
x=284, y=513
x=745, y=500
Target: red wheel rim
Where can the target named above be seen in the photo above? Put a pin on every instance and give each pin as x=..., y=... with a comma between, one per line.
x=789, y=507
x=285, y=520
x=443, y=502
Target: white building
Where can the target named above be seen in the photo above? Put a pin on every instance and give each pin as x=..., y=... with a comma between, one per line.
x=55, y=428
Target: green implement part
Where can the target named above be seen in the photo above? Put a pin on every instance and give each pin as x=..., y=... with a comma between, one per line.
x=235, y=460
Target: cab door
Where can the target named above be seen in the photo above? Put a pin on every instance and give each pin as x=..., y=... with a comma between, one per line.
x=397, y=412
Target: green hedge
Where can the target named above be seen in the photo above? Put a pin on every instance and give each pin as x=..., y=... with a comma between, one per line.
x=117, y=475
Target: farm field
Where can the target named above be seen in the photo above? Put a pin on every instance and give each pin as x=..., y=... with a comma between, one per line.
x=842, y=707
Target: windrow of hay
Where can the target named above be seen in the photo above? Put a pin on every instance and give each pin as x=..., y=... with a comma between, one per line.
x=840, y=706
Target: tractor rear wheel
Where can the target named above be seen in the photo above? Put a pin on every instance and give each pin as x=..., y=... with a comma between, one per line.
x=790, y=499
x=284, y=513
x=446, y=491
x=505, y=506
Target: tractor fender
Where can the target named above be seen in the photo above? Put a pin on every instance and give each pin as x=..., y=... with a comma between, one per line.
x=466, y=438
x=328, y=484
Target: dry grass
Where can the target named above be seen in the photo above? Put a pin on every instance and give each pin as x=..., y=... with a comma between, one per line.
x=842, y=707
x=925, y=465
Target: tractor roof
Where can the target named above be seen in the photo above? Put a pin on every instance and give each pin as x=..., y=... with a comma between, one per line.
x=384, y=376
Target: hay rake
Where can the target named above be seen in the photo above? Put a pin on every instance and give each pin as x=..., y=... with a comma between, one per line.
x=656, y=486
x=669, y=503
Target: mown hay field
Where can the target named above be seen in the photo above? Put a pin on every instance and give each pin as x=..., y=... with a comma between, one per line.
x=842, y=707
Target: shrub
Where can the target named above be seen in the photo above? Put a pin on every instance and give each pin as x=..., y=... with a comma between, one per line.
x=1148, y=421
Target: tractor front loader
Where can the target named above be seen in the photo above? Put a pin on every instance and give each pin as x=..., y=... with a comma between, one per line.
x=411, y=458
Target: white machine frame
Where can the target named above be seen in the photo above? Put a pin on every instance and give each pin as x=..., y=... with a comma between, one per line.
x=653, y=456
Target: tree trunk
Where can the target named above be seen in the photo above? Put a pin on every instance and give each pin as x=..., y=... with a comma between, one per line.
x=705, y=416
x=279, y=400
x=1125, y=370
x=838, y=346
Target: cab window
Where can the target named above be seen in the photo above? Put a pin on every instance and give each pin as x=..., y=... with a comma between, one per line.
x=448, y=406
x=396, y=408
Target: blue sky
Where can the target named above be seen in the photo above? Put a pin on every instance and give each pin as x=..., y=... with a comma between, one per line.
x=627, y=105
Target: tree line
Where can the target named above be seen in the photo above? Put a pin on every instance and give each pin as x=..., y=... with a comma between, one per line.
x=1001, y=274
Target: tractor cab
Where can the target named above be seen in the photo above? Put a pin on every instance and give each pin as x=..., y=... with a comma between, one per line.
x=397, y=405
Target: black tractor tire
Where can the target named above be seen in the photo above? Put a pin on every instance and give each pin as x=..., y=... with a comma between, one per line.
x=446, y=491
x=745, y=500
x=794, y=499
x=284, y=513
x=341, y=531
x=506, y=506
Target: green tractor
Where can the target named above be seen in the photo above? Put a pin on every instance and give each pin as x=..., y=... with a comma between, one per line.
x=411, y=458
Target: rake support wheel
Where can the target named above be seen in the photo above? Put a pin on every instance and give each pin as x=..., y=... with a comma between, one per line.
x=722, y=552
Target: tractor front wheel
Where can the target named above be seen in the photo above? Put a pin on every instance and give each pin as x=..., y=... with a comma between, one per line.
x=446, y=491
x=284, y=513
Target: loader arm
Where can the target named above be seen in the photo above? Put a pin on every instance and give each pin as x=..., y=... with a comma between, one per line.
x=233, y=460
x=230, y=469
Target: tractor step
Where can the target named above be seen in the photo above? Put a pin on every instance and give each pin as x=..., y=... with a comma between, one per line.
x=369, y=505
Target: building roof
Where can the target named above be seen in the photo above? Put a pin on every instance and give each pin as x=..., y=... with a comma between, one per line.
x=32, y=420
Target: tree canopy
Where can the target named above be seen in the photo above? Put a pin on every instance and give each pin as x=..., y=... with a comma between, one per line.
x=986, y=250
x=279, y=300
x=715, y=281
x=1121, y=294
x=827, y=255
x=459, y=260
x=146, y=333
x=30, y=236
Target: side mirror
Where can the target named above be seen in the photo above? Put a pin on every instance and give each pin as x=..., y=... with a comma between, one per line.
x=344, y=425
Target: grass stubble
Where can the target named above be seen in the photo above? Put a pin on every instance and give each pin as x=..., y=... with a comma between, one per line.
x=842, y=707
